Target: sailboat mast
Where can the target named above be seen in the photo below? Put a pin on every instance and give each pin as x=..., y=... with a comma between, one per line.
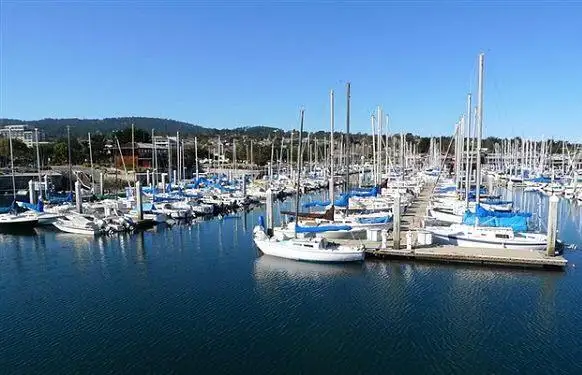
x=91, y=161
x=469, y=160
x=70, y=165
x=38, y=161
x=348, y=135
x=133, y=151
x=154, y=159
x=297, y=186
x=374, y=165
x=479, y=127
x=331, y=171
x=12, y=163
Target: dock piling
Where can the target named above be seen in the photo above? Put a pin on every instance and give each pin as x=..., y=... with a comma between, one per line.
x=163, y=182
x=396, y=219
x=148, y=181
x=552, y=225
x=31, y=192
x=331, y=190
x=269, y=212
x=78, y=197
x=244, y=186
x=101, y=189
x=138, y=201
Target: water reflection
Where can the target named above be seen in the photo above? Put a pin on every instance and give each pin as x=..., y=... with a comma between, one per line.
x=268, y=269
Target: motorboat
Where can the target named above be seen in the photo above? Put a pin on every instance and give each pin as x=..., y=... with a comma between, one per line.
x=77, y=224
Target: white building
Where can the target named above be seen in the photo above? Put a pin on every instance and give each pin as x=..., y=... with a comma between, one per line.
x=23, y=132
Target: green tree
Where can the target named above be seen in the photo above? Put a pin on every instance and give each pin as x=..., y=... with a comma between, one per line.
x=140, y=135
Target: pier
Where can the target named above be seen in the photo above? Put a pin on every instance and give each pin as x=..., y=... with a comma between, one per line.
x=411, y=222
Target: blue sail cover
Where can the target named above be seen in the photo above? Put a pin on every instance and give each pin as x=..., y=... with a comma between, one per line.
x=517, y=223
x=485, y=218
x=375, y=220
x=321, y=228
x=12, y=208
x=446, y=189
x=364, y=192
x=316, y=204
x=61, y=198
x=482, y=212
x=148, y=207
x=542, y=179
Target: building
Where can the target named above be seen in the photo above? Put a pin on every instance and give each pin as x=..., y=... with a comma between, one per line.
x=23, y=132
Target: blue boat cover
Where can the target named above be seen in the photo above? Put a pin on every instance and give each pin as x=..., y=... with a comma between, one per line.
x=374, y=220
x=542, y=179
x=365, y=192
x=148, y=207
x=61, y=198
x=485, y=218
x=321, y=228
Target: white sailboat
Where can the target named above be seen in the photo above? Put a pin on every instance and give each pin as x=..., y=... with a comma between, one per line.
x=496, y=237
x=12, y=221
x=487, y=237
x=306, y=247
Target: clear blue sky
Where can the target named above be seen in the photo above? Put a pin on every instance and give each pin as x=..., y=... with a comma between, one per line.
x=228, y=63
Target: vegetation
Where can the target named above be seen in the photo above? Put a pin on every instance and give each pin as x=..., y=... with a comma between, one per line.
x=106, y=132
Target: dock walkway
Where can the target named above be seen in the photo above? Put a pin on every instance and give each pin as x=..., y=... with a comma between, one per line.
x=412, y=221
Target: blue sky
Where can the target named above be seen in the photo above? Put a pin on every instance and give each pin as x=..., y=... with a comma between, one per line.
x=228, y=63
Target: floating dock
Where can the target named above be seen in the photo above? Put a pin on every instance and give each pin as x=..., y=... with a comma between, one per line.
x=412, y=221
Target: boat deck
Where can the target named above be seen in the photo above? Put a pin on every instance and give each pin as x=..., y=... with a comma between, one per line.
x=412, y=221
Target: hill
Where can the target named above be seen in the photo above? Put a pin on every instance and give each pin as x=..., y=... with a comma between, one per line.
x=56, y=128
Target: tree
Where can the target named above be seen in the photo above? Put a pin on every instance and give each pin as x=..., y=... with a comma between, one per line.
x=140, y=135
x=22, y=154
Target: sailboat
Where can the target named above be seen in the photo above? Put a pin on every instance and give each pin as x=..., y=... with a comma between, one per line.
x=11, y=220
x=304, y=245
x=486, y=229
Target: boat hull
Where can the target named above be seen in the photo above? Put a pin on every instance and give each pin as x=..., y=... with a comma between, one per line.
x=276, y=249
x=68, y=229
x=463, y=241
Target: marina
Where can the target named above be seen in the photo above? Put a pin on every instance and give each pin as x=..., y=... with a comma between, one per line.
x=290, y=188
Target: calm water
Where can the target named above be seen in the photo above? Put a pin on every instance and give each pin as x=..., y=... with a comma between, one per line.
x=198, y=299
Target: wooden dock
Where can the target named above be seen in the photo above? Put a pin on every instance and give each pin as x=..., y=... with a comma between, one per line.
x=412, y=221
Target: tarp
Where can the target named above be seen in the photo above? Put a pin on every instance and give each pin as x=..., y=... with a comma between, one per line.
x=39, y=207
x=485, y=218
x=517, y=223
x=482, y=212
x=542, y=179
x=61, y=198
x=148, y=207
x=321, y=228
x=364, y=192
x=12, y=208
x=374, y=220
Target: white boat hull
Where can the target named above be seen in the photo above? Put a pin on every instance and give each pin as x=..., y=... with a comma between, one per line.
x=283, y=250
x=446, y=217
x=462, y=240
x=68, y=229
